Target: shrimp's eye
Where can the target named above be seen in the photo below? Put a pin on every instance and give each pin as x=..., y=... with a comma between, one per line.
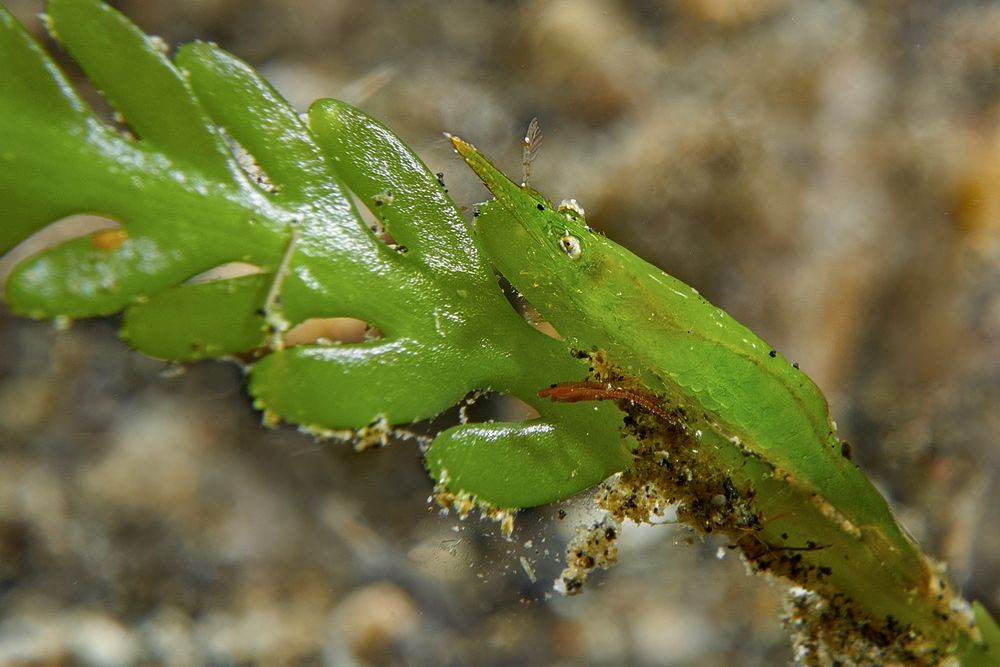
x=570, y=245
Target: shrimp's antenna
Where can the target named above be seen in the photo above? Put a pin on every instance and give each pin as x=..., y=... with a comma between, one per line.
x=532, y=138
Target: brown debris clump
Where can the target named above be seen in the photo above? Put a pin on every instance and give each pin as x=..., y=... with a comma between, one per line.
x=591, y=548
x=833, y=631
x=463, y=503
x=668, y=468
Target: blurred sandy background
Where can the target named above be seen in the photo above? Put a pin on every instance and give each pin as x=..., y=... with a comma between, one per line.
x=827, y=173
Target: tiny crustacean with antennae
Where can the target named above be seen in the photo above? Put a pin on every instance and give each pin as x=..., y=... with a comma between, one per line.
x=723, y=378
